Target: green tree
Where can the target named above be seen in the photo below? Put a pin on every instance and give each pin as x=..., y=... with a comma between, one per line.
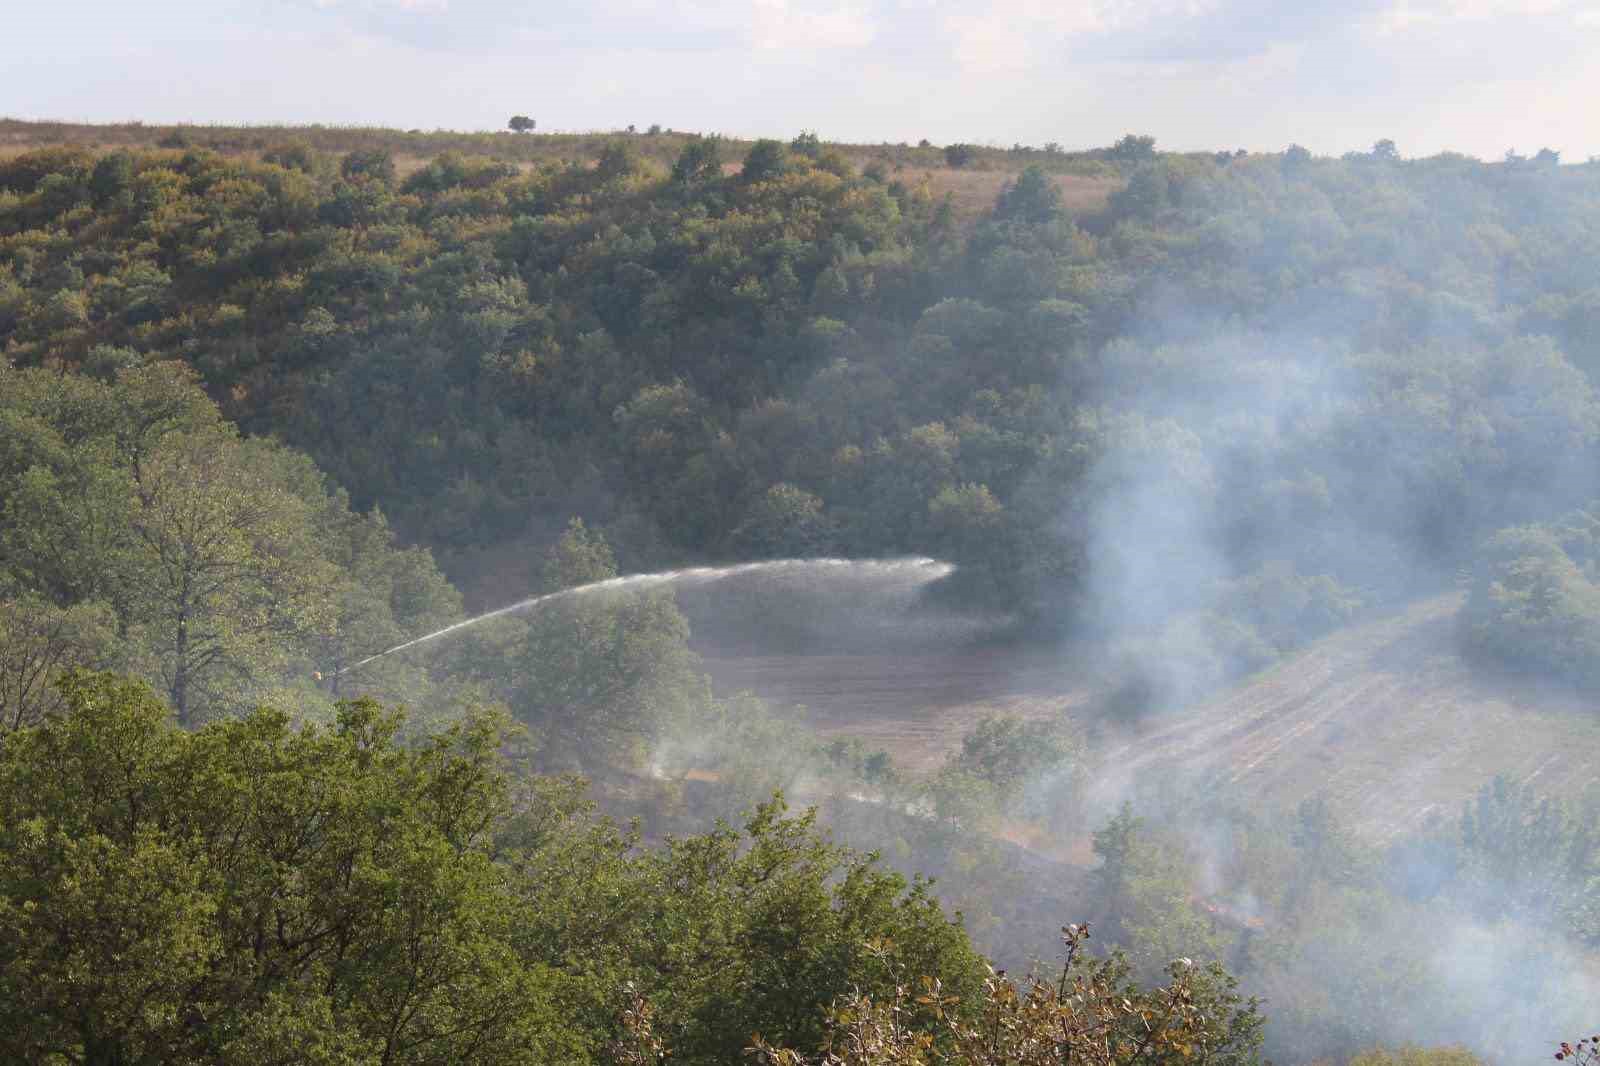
x=672, y=448
x=617, y=160
x=807, y=144
x=760, y=931
x=1531, y=856
x=226, y=564
x=112, y=175
x=1011, y=753
x=766, y=160
x=1031, y=198
x=597, y=676
x=257, y=893
x=223, y=562
x=959, y=155
x=66, y=453
x=1088, y=1013
x=1134, y=148
x=699, y=161
x=581, y=557
x=1385, y=151
x=39, y=642
x=1114, y=845
x=1533, y=605
x=785, y=522
x=382, y=595
x=968, y=521
x=521, y=124
x=1328, y=854
x=375, y=164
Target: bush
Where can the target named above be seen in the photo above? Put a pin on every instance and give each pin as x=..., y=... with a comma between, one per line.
x=959, y=155
x=374, y=163
x=1534, y=604
x=767, y=159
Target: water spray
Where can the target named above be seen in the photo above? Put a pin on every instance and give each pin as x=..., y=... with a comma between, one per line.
x=930, y=570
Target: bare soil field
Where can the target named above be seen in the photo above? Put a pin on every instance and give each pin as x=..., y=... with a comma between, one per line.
x=915, y=706
x=1385, y=718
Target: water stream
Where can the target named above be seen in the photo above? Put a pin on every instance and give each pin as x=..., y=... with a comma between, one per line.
x=921, y=570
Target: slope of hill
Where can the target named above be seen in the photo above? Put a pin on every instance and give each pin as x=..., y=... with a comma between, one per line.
x=1386, y=718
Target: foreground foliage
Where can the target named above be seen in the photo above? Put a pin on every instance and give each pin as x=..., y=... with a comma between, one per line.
x=1089, y=1015
x=255, y=893
x=262, y=892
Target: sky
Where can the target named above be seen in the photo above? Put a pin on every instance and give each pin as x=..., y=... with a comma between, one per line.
x=1473, y=76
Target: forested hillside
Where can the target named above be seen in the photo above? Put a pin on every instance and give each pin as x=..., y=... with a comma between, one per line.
x=795, y=357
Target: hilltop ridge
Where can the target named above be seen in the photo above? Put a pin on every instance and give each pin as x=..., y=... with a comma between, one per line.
x=1085, y=178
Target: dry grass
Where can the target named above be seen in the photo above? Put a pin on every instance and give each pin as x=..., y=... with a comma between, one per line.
x=973, y=192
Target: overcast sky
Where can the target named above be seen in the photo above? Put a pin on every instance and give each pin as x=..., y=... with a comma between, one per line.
x=1476, y=76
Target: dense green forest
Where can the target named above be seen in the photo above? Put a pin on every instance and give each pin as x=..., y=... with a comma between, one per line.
x=265, y=414
x=1338, y=365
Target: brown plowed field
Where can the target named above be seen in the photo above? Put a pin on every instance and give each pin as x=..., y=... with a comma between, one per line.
x=1386, y=718
x=915, y=706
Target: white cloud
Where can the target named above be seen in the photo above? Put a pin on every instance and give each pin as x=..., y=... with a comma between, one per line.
x=984, y=45
x=1004, y=35
x=1406, y=15
x=1082, y=16
x=782, y=24
x=419, y=6
x=766, y=24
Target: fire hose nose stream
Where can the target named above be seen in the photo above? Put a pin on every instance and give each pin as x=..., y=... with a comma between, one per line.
x=925, y=570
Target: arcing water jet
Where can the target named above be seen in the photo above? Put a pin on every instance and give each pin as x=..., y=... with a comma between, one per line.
x=927, y=570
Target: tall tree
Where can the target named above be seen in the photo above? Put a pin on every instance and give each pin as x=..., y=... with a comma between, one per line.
x=38, y=642
x=596, y=676
x=227, y=564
